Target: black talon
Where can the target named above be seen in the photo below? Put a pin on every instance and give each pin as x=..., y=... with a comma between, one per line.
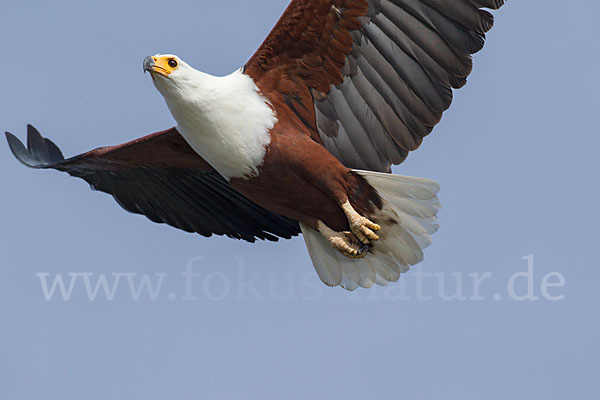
x=364, y=248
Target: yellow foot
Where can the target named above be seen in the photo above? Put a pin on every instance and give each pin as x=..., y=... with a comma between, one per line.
x=344, y=242
x=363, y=228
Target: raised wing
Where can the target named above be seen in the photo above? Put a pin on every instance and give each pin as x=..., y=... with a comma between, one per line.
x=161, y=177
x=370, y=79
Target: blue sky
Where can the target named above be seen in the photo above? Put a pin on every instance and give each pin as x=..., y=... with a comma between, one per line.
x=516, y=157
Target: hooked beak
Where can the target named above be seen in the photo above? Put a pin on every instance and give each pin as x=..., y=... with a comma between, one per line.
x=151, y=66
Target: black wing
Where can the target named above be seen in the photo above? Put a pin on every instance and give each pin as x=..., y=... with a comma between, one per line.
x=161, y=177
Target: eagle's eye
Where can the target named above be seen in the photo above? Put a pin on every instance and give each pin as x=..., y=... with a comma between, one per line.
x=173, y=63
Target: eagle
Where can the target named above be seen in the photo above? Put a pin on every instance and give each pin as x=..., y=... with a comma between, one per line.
x=301, y=139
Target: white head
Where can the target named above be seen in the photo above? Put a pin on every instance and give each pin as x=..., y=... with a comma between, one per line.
x=224, y=119
x=171, y=75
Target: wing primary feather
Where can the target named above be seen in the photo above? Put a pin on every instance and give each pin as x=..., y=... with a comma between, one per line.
x=457, y=35
x=435, y=96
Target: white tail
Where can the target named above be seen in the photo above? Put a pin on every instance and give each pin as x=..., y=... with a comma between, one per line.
x=407, y=220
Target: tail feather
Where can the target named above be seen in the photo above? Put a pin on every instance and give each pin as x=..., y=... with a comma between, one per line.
x=407, y=220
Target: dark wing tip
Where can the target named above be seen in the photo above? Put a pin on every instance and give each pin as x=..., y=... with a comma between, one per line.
x=40, y=152
x=21, y=153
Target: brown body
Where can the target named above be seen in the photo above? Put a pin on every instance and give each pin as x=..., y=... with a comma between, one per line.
x=301, y=180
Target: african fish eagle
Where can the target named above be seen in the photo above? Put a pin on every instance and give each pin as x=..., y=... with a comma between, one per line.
x=301, y=138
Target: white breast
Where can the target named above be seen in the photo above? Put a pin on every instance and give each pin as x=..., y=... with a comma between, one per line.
x=224, y=119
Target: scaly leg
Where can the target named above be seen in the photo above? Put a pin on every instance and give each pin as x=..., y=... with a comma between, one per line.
x=363, y=228
x=344, y=242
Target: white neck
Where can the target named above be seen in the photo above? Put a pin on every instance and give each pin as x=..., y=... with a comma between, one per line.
x=224, y=119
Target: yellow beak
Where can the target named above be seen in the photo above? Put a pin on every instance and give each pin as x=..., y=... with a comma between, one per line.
x=156, y=65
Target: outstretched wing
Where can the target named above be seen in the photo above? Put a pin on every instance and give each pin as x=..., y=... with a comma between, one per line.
x=370, y=79
x=161, y=177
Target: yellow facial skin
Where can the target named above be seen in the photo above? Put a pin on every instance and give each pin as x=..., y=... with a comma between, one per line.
x=161, y=65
